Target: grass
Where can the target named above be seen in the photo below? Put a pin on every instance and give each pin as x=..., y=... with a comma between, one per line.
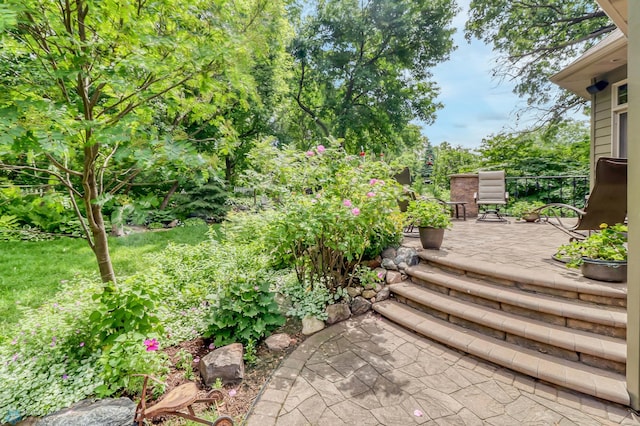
x=31, y=272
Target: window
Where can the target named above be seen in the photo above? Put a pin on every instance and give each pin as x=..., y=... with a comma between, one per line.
x=619, y=123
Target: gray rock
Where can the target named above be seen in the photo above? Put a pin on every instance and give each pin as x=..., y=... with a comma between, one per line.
x=173, y=223
x=388, y=253
x=389, y=264
x=338, y=312
x=368, y=294
x=408, y=255
x=278, y=342
x=360, y=305
x=394, y=277
x=380, y=273
x=402, y=266
x=311, y=324
x=106, y=412
x=354, y=291
x=383, y=294
x=225, y=363
x=377, y=287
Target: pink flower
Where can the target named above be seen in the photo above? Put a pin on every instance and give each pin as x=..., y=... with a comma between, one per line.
x=81, y=344
x=232, y=392
x=371, y=194
x=256, y=288
x=151, y=344
x=418, y=413
x=347, y=203
x=321, y=149
x=310, y=153
x=355, y=211
x=380, y=275
x=212, y=346
x=381, y=182
x=373, y=181
x=65, y=377
x=196, y=360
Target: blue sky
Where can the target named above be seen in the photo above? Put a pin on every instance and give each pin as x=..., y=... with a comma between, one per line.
x=475, y=104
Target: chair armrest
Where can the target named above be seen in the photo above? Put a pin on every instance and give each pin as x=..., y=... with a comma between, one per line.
x=506, y=195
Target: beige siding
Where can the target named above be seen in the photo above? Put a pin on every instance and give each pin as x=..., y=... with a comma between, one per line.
x=601, y=132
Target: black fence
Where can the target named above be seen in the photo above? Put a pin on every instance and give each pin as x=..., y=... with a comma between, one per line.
x=571, y=190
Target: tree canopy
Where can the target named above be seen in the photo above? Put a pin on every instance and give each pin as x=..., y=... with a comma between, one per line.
x=362, y=68
x=535, y=40
x=89, y=85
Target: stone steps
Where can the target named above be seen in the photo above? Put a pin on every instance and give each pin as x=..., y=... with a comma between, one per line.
x=574, y=345
x=563, y=285
x=556, y=327
x=569, y=374
x=572, y=313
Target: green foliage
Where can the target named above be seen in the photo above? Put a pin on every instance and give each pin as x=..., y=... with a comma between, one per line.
x=125, y=309
x=427, y=213
x=367, y=277
x=610, y=243
x=520, y=208
x=185, y=363
x=334, y=210
x=206, y=201
x=450, y=160
x=305, y=300
x=243, y=308
x=194, y=221
x=362, y=70
x=535, y=39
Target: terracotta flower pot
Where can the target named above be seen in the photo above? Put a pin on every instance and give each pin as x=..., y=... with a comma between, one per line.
x=431, y=238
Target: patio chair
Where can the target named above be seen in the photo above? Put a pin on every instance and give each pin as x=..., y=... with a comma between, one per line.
x=491, y=192
x=607, y=202
x=175, y=402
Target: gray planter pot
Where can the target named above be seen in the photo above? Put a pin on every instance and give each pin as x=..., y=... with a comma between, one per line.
x=431, y=238
x=604, y=270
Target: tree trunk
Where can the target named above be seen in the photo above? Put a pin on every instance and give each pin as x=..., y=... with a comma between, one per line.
x=167, y=197
x=229, y=168
x=99, y=243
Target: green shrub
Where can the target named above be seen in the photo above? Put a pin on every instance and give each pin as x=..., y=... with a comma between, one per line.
x=428, y=213
x=306, y=299
x=243, y=308
x=333, y=210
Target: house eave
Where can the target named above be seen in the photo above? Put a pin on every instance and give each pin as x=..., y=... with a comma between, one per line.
x=609, y=54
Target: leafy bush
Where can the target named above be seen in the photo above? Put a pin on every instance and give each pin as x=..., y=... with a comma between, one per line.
x=521, y=208
x=610, y=243
x=73, y=348
x=333, y=210
x=243, y=308
x=306, y=299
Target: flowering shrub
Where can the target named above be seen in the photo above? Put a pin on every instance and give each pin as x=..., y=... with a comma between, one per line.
x=334, y=210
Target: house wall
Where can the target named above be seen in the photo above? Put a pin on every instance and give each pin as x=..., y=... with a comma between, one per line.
x=601, y=144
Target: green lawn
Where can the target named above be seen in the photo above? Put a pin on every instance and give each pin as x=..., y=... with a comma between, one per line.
x=31, y=272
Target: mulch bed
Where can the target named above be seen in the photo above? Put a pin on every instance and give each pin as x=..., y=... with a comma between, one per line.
x=255, y=376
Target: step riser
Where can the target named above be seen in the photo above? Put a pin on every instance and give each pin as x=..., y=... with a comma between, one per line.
x=603, y=329
x=602, y=384
x=531, y=288
x=587, y=359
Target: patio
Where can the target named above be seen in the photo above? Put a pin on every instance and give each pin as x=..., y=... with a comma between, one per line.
x=369, y=370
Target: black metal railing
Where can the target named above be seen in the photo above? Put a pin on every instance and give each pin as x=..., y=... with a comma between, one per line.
x=571, y=190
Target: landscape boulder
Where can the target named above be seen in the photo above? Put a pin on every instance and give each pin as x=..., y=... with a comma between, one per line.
x=311, y=325
x=388, y=263
x=383, y=294
x=338, y=312
x=360, y=305
x=224, y=363
x=394, y=277
x=407, y=255
x=105, y=412
x=278, y=342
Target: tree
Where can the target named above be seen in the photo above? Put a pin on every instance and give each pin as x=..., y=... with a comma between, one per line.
x=83, y=80
x=536, y=38
x=450, y=160
x=362, y=68
x=557, y=149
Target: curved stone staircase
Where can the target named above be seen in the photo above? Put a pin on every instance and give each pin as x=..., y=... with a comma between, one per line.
x=567, y=332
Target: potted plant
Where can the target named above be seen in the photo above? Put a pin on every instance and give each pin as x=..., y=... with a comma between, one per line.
x=526, y=210
x=601, y=256
x=431, y=218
